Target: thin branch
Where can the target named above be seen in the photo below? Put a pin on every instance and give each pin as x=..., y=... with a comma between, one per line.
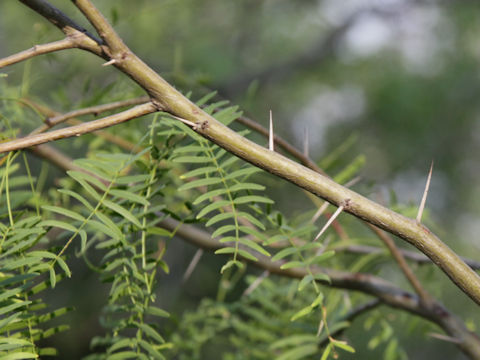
x=114, y=139
x=78, y=130
x=384, y=291
x=400, y=259
x=104, y=29
x=53, y=120
x=420, y=259
x=83, y=38
x=63, y=44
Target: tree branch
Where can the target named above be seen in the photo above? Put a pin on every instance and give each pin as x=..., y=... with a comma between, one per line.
x=168, y=99
x=58, y=118
x=63, y=44
x=78, y=130
x=384, y=291
x=410, y=255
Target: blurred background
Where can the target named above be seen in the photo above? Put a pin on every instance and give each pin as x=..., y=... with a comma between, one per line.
x=395, y=80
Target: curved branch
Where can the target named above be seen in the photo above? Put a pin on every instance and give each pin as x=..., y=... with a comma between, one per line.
x=41, y=49
x=384, y=291
x=56, y=118
x=167, y=98
x=78, y=130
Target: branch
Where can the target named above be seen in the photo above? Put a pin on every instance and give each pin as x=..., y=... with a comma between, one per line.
x=63, y=44
x=400, y=259
x=168, y=99
x=57, y=118
x=410, y=255
x=78, y=130
x=384, y=291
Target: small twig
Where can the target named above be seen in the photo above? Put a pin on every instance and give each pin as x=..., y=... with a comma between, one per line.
x=54, y=118
x=416, y=257
x=402, y=264
x=101, y=25
x=78, y=130
x=424, y=197
x=63, y=44
x=193, y=264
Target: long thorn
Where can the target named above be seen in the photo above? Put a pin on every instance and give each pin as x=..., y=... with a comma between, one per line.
x=305, y=142
x=270, y=135
x=256, y=283
x=320, y=211
x=332, y=218
x=193, y=264
x=425, y=193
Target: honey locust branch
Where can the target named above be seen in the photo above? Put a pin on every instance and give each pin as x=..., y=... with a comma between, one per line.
x=170, y=100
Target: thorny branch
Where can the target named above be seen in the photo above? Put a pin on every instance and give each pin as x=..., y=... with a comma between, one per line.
x=166, y=98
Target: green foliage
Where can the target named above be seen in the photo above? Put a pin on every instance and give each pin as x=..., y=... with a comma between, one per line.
x=109, y=210
x=258, y=326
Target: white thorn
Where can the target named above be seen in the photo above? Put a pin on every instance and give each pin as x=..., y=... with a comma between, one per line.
x=270, y=135
x=320, y=327
x=425, y=193
x=320, y=211
x=256, y=283
x=111, y=62
x=444, y=338
x=185, y=121
x=305, y=142
x=332, y=218
x=193, y=264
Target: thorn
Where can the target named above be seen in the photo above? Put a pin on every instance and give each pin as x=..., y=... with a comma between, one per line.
x=332, y=218
x=444, y=338
x=352, y=182
x=320, y=327
x=320, y=211
x=305, y=142
x=256, y=283
x=270, y=135
x=111, y=62
x=425, y=193
x=185, y=121
x=193, y=264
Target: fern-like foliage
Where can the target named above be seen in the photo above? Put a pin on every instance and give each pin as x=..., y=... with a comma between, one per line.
x=115, y=215
x=223, y=193
x=257, y=326
x=27, y=267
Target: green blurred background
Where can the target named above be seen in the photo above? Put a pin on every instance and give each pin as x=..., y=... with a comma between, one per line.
x=401, y=77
